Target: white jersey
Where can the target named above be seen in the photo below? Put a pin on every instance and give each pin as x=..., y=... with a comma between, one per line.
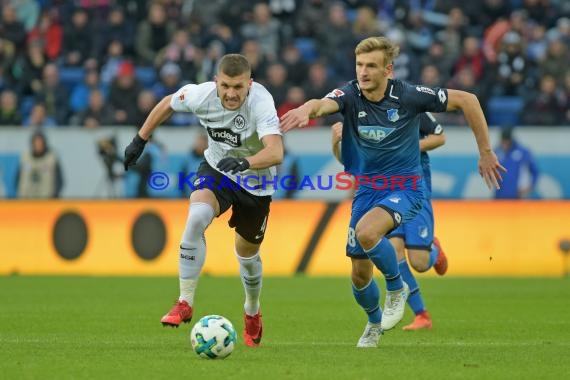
x=233, y=133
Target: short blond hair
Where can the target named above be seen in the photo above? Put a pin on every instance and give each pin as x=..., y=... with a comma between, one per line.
x=371, y=44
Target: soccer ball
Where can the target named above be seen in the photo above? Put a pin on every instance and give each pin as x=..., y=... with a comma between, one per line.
x=213, y=337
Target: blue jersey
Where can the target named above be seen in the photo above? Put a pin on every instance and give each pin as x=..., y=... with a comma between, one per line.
x=381, y=138
x=428, y=126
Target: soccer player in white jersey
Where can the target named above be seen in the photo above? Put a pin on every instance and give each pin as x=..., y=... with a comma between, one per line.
x=243, y=139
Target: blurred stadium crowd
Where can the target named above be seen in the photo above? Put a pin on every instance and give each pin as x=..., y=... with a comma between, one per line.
x=103, y=62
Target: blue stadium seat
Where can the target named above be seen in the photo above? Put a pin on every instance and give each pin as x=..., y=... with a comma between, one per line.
x=71, y=76
x=504, y=110
x=307, y=48
x=146, y=75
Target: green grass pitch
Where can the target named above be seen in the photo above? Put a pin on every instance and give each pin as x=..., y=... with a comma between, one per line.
x=95, y=328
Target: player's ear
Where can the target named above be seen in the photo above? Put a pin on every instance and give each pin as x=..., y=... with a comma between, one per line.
x=389, y=70
x=216, y=79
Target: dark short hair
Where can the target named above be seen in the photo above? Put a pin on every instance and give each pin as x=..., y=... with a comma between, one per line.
x=234, y=64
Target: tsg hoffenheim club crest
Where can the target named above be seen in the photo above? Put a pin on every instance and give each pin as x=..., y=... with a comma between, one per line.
x=393, y=114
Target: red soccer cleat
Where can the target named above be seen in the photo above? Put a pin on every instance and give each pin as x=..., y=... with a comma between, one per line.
x=253, y=329
x=440, y=265
x=421, y=321
x=180, y=312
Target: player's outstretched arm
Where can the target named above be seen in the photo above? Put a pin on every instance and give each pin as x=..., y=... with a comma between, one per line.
x=489, y=166
x=161, y=112
x=299, y=117
x=336, y=140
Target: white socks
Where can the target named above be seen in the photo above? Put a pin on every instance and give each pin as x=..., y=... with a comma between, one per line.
x=193, y=249
x=250, y=270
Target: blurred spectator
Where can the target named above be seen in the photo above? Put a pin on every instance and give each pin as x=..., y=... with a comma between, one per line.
x=79, y=98
x=39, y=174
x=38, y=118
x=11, y=29
x=309, y=17
x=145, y=103
x=537, y=43
x=556, y=61
x=547, y=107
x=491, y=11
x=336, y=42
x=96, y=114
x=169, y=80
x=472, y=57
x=78, y=39
x=117, y=28
x=407, y=66
x=7, y=55
x=295, y=98
x=124, y=93
x=27, y=12
x=516, y=159
x=452, y=36
x=419, y=35
x=318, y=83
x=430, y=76
x=180, y=51
x=49, y=34
x=251, y=50
x=265, y=29
x=114, y=57
x=226, y=36
x=28, y=70
x=153, y=34
x=366, y=24
x=54, y=95
x=295, y=66
x=511, y=67
x=436, y=55
x=276, y=82
x=9, y=113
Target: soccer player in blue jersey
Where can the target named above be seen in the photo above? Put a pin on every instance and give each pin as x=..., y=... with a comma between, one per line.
x=416, y=236
x=380, y=141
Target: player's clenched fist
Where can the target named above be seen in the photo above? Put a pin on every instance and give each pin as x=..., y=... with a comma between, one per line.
x=133, y=151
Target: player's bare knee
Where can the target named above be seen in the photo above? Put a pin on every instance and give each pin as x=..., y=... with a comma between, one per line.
x=419, y=260
x=367, y=236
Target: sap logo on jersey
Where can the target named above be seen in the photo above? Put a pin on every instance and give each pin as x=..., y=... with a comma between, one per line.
x=225, y=136
x=373, y=132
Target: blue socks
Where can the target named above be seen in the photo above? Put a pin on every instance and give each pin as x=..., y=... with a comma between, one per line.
x=369, y=298
x=383, y=255
x=415, y=299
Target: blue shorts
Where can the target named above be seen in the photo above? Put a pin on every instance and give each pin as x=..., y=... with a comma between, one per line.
x=402, y=205
x=417, y=233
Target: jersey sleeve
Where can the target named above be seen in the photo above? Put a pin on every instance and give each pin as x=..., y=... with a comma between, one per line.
x=429, y=125
x=186, y=99
x=425, y=99
x=266, y=120
x=342, y=96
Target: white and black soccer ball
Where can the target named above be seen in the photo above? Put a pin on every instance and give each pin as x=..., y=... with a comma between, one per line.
x=213, y=337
